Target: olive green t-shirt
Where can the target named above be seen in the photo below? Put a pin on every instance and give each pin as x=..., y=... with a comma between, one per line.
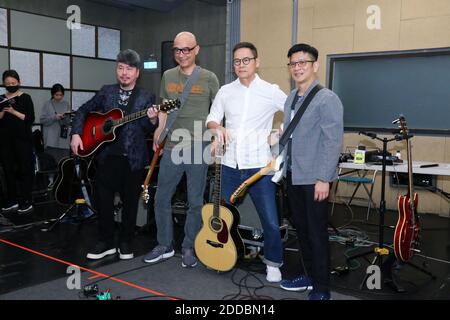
x=195, y=110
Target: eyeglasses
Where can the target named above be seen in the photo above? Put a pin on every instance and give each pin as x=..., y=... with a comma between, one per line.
x=300, y=63
x=185, y=50
x=245, y=61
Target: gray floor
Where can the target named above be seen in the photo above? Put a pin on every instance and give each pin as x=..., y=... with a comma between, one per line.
x=134, y=279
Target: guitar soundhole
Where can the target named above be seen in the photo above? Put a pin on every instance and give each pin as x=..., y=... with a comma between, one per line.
x=216, y=224
x=107, y=126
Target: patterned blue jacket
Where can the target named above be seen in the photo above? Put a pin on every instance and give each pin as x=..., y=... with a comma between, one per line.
x=135, y=132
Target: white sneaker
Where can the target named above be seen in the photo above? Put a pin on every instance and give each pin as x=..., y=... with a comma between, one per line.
x=273, y=274
x=10, y=207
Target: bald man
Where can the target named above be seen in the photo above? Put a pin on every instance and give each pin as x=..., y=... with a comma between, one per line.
x=180, y=156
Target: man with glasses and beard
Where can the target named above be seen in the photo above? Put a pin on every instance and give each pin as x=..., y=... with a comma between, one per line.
x=121, y=162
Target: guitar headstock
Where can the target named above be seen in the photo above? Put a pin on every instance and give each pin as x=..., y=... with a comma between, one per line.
x=403, y=127
x=145, y=195
x=170, y=106
x=219, y=150
x=238, y=193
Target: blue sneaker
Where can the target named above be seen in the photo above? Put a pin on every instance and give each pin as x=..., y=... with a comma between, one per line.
x=314, y=295
x=302, y=282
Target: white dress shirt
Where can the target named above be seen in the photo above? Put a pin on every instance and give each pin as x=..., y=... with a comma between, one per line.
x=248, y=112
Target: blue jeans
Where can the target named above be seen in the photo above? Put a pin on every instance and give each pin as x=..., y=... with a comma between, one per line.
x=168, y=178
x=263, y=197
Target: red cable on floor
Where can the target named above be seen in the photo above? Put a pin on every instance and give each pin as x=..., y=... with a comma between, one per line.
x=99, y=274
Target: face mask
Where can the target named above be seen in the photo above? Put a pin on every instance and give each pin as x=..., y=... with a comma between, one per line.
x=12, y=89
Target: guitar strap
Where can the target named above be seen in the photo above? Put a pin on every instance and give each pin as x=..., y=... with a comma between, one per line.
x=183, y=98
x=287, y=134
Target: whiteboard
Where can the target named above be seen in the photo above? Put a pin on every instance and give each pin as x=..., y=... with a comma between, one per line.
x=376, y=88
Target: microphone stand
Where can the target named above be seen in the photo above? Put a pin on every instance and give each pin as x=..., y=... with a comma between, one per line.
x=381, y=250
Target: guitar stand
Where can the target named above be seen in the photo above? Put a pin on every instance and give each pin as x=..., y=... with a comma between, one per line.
x=381, y=250
x=77, y=206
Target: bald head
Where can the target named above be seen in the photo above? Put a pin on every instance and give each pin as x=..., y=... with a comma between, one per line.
x=185, y=37
x=185, y=50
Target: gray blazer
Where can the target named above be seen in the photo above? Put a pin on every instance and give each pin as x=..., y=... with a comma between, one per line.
x=317, y=139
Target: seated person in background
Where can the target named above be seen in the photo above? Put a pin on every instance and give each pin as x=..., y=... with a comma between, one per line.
x=56, y=125
x=16, y=146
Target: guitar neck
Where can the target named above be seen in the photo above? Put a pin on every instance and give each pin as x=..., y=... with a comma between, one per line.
x=217, y=187
x=153, y=164
x=130, y=117
x=410, y=172
x=165, y=107
x=261, y=173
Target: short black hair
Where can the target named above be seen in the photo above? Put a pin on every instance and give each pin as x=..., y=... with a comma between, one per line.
x=247, y=45
x=10, y=73
x=303, y=47
x=57, y=87
x=129, y=57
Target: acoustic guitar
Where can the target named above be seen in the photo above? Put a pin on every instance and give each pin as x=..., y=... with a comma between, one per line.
x=219, y=244
x=100, y=127
x=406, y=235
x=72, y=182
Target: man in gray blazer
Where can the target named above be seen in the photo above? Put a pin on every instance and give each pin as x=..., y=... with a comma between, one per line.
x=311, y=160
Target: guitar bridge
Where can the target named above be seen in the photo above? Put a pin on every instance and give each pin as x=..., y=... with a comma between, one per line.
x=214, y=244
x=93, y=131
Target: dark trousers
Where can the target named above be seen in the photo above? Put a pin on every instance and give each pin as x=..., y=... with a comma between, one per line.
x=115, y=175
x=310, y=218
x=18, y=165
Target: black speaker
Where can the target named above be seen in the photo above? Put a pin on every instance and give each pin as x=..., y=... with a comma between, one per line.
x=167, y=60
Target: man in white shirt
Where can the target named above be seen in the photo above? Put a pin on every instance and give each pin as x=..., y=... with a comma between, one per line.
x=248, y=104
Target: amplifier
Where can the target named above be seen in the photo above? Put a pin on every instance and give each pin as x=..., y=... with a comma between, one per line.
x=376, y=156
x=400, y=179
x=250, y=227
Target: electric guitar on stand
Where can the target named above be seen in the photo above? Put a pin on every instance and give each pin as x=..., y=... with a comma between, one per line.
x=406, y=235
x=100, y=127
x=219, y=244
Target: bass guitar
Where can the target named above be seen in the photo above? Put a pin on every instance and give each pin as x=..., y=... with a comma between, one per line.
x=100, y=127
x=145, y=192
x=72, y=182
x=406, y=235
x=219, y=244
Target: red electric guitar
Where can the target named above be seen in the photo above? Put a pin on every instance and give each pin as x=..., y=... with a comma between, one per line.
x=406, y=236
x=99, y=127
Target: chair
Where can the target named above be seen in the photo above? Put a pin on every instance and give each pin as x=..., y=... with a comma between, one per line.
x=360, y=179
